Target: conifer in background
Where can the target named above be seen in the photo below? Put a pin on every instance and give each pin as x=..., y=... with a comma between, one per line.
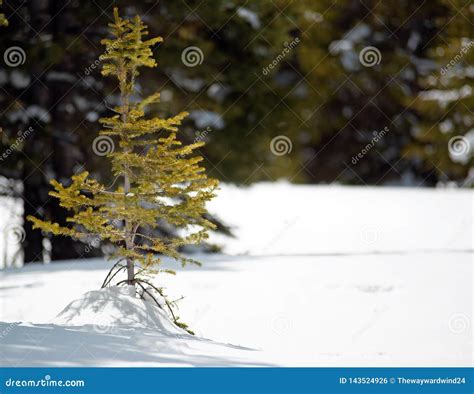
x=351, y=99
x=3, y=20
x=444, y=139
x=159, y=182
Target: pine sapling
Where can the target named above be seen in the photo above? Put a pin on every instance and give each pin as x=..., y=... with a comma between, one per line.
x=158, y=180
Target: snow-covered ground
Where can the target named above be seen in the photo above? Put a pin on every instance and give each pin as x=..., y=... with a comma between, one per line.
x=316, y=276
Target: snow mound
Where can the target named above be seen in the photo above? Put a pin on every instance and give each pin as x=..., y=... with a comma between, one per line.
x=115, y=307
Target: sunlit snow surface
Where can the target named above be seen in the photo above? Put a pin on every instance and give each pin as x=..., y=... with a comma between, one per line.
x=315, y=276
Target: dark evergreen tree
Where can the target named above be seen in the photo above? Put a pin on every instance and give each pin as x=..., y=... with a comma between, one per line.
x=236, y=103
x=363, y=63
x=46, y=90
x=444, y=140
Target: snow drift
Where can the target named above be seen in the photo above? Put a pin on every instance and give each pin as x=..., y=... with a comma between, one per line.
x=115, y=307
x=111, y=327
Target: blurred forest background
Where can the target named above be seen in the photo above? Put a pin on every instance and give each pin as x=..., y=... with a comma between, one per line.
x=248, y=72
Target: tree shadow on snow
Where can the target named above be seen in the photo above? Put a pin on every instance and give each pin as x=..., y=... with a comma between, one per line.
x=24, y=345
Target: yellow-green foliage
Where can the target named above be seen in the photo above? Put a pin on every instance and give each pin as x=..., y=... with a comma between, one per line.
x=3, y=20
x=159, y=181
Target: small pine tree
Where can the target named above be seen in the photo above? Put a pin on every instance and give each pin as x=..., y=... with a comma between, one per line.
x=160, y=183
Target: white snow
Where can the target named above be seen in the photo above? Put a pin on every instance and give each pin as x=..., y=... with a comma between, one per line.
x=317, y=276
x=115, y=307
x=279, y=219
x=249, y=16
x=11, y=232
x=110, y=327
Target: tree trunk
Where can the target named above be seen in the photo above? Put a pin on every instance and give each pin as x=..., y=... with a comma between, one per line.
x=33, y=244
x=129, y=241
